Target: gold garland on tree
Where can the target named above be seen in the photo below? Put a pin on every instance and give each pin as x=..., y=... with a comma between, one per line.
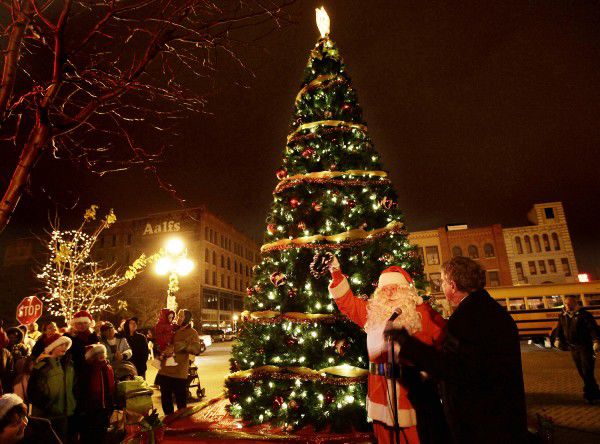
x=334, y=123
x=331, y=177
x=339, y=375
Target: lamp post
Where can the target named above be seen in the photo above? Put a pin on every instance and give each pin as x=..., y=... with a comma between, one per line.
x=235, y=319
x=175, y=263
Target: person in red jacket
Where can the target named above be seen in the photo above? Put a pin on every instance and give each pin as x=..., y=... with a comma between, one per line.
x=164, y=332
x=395, y=294
x=98, y=388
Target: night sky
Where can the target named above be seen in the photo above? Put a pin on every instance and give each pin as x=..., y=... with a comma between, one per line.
x=479, y=110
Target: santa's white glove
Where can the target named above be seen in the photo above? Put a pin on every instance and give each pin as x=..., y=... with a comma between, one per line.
x=334, y=265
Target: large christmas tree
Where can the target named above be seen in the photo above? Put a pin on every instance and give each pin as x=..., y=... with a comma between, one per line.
x=299, y=361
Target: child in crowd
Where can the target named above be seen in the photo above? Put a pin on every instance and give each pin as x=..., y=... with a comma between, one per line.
x=164, y=331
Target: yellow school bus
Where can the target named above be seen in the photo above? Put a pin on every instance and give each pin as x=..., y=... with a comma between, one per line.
x=535, y=308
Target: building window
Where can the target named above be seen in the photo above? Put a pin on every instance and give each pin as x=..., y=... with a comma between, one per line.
x=206, y=277
x=549, y=213
x=528, y=244
x=235, y=284
x=433, y=256
x=555, y=241
x=519, y=245
x=235, y=266
x=488, y=250
x=225, y=304
x=435, y=279
x=542, y=265
x=473, y=252
x=222, y=261
x=214, y=278
x=552, y=265
x=228, y=282
x=206, y=234
x=520, y=274
x=210, y=236
x=207, y=255
x=493, y=278
x=532, y=269
x=566, y=267
x=536, y=243
x=456, y=251
x=546, y=242
x=223, y=280
x=214, y=258
x=211, y=301
x=228, y=264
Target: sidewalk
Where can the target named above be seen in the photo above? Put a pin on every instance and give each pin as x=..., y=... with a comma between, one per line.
x=553, y=388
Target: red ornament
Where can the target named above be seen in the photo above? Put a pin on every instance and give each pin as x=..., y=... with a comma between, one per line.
x=277, y=402
x=351, y=203
x=294, y=202
x=294, y=405
x=272, y=228
x=250, y=291
x=278, y=278
x=234, y=396
x=333, y=166
x=317, y=206
x=301, y=225
x=341, y=346
x=258, y=289
x=281, y=173
x=387, y=203
x=292, y=292
x=290, y=340
x=386, y=257
x=329, y=397
x=347, y=107
x=308, y=153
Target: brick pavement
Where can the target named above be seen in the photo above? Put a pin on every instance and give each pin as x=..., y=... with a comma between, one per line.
x=554, y=388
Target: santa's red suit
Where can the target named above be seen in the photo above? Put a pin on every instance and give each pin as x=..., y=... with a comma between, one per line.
x=419, y=318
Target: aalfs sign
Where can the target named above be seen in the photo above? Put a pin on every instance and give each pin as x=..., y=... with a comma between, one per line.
x=164, y=227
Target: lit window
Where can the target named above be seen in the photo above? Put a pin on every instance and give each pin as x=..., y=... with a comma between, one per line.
x=546, y=242
x=528, y=244
x=473, y=252
x=456, y=251
x=566, y=267
x=542, y=265
x=433, y=256
x=532, y=268
x=536, y=242
x=555, y=241
x=519, y=245
x=493, y=278
x=488, y=250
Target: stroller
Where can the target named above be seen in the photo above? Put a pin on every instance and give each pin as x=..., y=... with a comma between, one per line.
x=193, y=381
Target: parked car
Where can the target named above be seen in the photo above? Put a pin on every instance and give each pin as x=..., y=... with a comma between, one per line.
x=230, y=335
x=206, y=339
x=216, y=334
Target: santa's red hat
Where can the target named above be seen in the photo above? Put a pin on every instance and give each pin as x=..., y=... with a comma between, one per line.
x=394, y=275
x=56, y=341
x=83, y=316
x=93, y=350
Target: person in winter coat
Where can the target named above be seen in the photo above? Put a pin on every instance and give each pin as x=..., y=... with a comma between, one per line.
x=577, y=330
x=138, y=344
x=164, y=332
x=420, y=421
x=82, y=334
x=98, y=388
x=479, y=365
x=173, y=379
x=16, y=427
x=117, y=347
x=51, y=387
x=16, y=344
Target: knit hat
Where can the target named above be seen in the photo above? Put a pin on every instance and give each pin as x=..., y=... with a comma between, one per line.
x=93, y=350
x=187, y=317
x=83, y=316
x=394, y=275
x=7, y=402
x=56, y=341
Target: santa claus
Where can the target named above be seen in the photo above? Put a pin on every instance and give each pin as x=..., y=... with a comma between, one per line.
x=395, y=294
x=82, y=335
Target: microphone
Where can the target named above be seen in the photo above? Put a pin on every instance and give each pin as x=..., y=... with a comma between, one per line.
x=397, y=312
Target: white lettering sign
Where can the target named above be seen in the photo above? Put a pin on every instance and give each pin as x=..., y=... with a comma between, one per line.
x=164, y=227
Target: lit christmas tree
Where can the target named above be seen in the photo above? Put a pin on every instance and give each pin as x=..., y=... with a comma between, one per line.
x=299, y=361
x=73, y=280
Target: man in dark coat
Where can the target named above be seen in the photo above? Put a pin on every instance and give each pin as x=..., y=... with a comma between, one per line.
x=577, y=330
x=479, y=367
x=138, y=344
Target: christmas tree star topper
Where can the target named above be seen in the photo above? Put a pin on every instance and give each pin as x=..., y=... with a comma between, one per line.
x=322, y=21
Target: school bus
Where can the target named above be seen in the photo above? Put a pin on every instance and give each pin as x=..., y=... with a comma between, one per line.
x=535, y=308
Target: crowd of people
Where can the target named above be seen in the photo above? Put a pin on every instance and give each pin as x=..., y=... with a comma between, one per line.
x=58, y=385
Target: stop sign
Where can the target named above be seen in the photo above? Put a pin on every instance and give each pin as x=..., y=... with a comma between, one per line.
x=29, y=310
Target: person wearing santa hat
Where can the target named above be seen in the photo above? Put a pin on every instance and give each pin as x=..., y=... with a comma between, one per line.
x=395, y=295
x=51, y=386
x=16, y=427
x=82, y=334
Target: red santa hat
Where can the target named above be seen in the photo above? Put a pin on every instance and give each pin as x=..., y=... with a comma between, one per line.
x=56, y=341
x=394, y=275
x=83, y=316
x=93, y=350
x=7, y=402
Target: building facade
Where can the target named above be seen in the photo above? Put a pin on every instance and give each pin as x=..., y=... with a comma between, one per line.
x=541, y=253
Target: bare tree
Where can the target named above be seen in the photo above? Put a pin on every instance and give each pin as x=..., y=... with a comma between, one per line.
x=81, y=76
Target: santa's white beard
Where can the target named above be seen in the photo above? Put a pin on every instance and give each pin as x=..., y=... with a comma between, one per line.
x=386, y=300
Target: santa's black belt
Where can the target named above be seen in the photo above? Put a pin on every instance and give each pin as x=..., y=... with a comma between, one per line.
x=384, y=369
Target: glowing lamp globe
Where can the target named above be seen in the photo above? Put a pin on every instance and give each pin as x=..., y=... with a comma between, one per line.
x=174, y=246
x=183, y=266
x=163, y=266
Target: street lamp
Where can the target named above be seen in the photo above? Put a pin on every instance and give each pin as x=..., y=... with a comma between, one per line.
x=175, y=263
x=235, y=319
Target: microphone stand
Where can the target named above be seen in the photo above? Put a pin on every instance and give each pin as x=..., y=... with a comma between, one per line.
x=394, y=394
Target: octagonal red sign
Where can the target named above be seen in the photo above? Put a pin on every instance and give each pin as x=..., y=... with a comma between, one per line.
x=29, y=310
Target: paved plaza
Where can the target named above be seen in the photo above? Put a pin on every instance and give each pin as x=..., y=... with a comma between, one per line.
x=552, y=385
